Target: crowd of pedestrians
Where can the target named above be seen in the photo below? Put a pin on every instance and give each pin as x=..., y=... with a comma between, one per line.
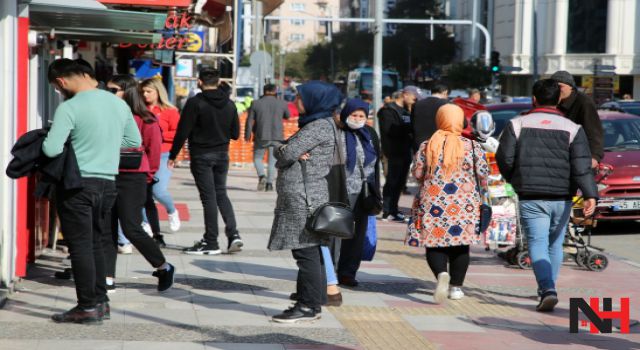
x=334, y=157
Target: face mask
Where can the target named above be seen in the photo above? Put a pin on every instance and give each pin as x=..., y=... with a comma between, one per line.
x=355, y=125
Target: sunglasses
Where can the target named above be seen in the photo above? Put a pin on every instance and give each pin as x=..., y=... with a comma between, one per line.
x=114, y=90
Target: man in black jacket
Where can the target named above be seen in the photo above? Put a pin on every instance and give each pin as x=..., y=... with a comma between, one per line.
x=545, y=156
x=423, y=116
x=210, y=120
x=395, y=134
x=581, y=109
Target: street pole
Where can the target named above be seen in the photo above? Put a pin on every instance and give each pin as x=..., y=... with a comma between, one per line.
x=377, y=57
x=474, y=19
x=282, y=63
x=236, y=46
x=535, y=42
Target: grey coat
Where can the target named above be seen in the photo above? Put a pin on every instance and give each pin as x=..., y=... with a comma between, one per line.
x=265, y=119
x=318, y=139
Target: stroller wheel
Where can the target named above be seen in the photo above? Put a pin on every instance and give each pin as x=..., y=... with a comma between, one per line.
x=597, y=262
x=581, y=257
x=524, y=260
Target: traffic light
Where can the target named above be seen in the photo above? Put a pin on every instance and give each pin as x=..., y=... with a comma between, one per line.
x=495, y=62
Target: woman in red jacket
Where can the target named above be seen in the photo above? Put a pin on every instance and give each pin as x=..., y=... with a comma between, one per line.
x=155, y=95
x=132, y=187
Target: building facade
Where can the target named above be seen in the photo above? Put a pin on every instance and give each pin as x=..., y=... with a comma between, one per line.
x=295, y=34
x=542, y=37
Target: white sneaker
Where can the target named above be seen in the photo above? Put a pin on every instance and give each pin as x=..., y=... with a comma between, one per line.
x=174, y=221
x=125, y=249
x=147, y=228
x=456, y=293
x=442, y=289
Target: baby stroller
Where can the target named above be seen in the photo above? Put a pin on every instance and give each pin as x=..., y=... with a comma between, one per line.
x=575, y=245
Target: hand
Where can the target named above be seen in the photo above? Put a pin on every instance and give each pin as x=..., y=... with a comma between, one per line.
x=171, y=164
x=594, y=163
x=305, y=156
x=589, y=207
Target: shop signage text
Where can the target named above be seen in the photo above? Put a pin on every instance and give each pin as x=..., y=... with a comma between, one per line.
x=174, y=22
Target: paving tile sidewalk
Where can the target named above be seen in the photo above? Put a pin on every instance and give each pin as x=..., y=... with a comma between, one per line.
x=226, y=301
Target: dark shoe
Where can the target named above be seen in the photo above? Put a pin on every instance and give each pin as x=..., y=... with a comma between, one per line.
x=78, y=315
x=111, y=288
x=399, y=217
x=203, y=248
x=104, y=310
x=548, y=301
x=334, y=299
x=262, y=183
x=269, y=187
x=235, y=244
x=160, y=240
x=293, y=296
x=165, y=278
x=297, y=313
x=348, y=281
x=63, y=275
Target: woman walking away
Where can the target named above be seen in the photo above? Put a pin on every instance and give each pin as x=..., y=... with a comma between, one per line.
x=131, y=185
x=361, y=145
x=311, y=149
x=156, y=97
x=446, y=210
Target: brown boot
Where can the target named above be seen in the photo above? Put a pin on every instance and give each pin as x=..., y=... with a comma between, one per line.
x=334, y=299
x=78, y=315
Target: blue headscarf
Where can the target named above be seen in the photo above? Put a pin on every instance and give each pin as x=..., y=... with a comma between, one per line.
x=363, y=133
x=320, y=101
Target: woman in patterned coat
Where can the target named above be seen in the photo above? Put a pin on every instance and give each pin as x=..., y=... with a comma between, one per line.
x=313, y=147
x=446, y=211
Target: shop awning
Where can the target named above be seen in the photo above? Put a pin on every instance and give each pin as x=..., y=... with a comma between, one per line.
x=108, y=35
x=90, y=14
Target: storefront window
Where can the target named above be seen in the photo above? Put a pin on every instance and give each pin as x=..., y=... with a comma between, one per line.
x=587, y=32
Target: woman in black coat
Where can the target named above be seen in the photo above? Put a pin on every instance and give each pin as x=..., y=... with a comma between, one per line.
x=361, y=146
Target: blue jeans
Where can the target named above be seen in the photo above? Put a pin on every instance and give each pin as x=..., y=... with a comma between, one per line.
x=122, y=239
x=545, y=223
x=160, y=189
x=332, y=279
x=258, y=155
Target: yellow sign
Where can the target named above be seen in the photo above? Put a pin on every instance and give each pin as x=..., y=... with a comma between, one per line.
x=587, y=83
x=194, y=42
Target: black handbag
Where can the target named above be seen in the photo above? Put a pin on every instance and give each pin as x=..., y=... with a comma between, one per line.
x=330, y=219
x=131, y=158
x=485, y=210
x=370, y=196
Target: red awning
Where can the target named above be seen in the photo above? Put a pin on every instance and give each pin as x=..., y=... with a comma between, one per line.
x=159, y=3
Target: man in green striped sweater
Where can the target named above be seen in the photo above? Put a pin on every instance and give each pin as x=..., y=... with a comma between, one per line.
x=98, y=124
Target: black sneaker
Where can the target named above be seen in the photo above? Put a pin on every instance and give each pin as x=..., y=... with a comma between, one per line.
x=165, y=278
x=111, y=288
x=104, y=310
x=78, y=315
x=160, y=240
x=235, y=244
x=548, y=301
x=203, y=248
x=269, y=187
x=63, y=275
x=297, y=313
x=262, y=183
x=399, y=217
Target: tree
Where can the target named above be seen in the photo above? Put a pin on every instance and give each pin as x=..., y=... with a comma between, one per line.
x=468, y=74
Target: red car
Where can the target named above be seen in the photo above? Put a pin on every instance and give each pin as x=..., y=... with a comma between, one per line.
x=620, y=191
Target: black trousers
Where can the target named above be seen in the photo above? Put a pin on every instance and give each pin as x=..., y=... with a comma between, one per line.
x=132, y=195
x=351, y=249
x=311, y=285
x=458, y=259
x=83, y=214
x=397, y=172
x=152, y=211
x=210, y=173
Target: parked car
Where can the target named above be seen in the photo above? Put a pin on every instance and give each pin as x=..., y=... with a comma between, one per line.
x=620, y=191
x=501, y=112
x=360, y=83
x=632, y=107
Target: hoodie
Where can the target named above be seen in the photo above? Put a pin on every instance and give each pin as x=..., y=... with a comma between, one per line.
x=209, y=121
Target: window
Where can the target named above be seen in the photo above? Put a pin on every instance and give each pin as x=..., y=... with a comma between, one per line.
x=297, y=22
x=587, y=29
x=296, y=6
x=296, y=37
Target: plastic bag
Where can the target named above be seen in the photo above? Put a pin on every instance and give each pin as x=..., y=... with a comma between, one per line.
x=370, y=240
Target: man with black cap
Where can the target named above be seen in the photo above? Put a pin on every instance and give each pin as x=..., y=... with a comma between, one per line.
x=581, y=109
x=395, y=131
